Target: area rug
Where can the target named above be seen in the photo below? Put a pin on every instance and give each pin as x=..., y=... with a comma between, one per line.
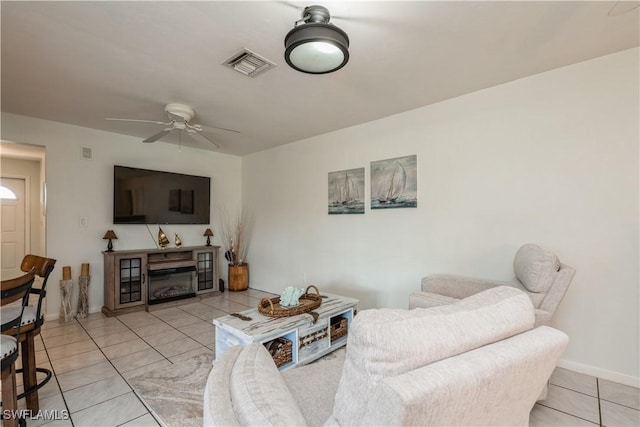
x=174, y=394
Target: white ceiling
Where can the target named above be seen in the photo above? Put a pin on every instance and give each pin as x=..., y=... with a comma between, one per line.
x=79, y=62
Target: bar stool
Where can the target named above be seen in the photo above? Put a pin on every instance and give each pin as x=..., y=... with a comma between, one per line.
x=12, y=290
x=32, y=321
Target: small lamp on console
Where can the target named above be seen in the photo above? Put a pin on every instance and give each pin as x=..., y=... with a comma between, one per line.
x=209, y=234
x=111, y=235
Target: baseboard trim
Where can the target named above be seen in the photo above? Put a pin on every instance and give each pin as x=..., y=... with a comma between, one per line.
x=56, y=316
x=604, y=374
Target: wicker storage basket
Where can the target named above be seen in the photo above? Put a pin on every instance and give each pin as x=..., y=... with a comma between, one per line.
x=281, y=349
x=308, y=302
x=312, y=337
x=338, y=328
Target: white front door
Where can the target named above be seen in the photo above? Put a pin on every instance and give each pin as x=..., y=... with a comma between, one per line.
x=13, y=227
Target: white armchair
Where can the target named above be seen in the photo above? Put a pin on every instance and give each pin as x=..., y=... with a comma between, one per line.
x=539, y=273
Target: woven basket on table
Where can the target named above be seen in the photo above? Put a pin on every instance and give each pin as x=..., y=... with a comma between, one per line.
x=307, y=302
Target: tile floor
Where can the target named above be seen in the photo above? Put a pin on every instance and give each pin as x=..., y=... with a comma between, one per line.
x=93, y=358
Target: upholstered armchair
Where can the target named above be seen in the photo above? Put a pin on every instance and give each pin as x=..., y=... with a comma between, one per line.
x=538, y=272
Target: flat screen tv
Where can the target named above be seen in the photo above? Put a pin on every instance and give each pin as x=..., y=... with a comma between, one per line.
x=142, y=196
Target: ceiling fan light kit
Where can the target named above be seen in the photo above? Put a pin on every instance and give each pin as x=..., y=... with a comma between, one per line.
x=180, y=111
x=316, y=46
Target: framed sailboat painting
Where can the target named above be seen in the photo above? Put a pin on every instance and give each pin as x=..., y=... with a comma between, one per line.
x=394, y=183
x=346, y=192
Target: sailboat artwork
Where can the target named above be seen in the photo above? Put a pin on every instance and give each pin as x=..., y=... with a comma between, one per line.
x=346, y=192
x=394, y=183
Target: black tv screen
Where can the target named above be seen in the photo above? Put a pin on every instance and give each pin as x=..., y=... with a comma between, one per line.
x=142, y=196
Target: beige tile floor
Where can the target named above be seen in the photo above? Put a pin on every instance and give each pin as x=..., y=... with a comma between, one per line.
x=93, y=358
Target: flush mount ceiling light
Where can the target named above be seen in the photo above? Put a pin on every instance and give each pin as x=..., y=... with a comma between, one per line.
x=316, y=47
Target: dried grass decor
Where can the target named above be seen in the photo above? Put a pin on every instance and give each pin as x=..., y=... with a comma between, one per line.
x=235, y=230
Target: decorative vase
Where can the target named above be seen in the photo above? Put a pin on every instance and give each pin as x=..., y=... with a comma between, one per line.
x=238, y=277
x=83, y=296
x=66, y=289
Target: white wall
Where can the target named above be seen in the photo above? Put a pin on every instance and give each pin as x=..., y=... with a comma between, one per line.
x=550, y=159
x=84, y=188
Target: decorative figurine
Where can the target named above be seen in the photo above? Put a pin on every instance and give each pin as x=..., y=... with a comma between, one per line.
x=178, y=241
x=163, y=240
x=290, y=296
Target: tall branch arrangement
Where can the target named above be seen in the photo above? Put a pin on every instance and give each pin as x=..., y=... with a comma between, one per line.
x=235, y=235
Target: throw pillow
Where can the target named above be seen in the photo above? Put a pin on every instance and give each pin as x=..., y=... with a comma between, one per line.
x=535, y=267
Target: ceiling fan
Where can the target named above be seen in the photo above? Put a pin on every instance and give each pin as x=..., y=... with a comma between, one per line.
x=179, y=116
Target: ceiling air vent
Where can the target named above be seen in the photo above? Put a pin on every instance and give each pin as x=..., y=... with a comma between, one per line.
x=248, y=63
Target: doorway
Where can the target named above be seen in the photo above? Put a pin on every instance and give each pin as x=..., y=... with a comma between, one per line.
x=13, y=230
x=22, y=210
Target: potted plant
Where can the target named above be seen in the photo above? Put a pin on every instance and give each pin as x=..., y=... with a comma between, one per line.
x=235, y=236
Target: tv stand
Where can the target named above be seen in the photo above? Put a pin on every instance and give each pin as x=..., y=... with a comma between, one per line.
x=131, y=277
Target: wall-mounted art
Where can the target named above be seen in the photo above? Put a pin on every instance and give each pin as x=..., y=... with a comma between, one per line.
x=346, y=192
x=394, y=183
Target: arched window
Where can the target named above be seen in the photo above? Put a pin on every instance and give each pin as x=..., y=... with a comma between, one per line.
x=7, y=194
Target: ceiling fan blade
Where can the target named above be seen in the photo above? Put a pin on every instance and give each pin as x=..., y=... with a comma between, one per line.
x=199, y=137
x=157, y=136
x=199, y=128
x=228, y=130
x=135, y=120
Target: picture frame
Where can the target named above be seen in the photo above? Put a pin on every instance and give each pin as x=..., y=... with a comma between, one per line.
x=394, y=183
x=346, y=192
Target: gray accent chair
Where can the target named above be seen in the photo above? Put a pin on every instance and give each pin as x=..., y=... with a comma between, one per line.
x=538, y=272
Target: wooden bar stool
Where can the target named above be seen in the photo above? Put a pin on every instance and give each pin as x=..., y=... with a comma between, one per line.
x=32, y=321
x=12, y=290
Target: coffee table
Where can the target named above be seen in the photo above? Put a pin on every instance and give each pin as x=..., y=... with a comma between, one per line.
x=309, y=340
